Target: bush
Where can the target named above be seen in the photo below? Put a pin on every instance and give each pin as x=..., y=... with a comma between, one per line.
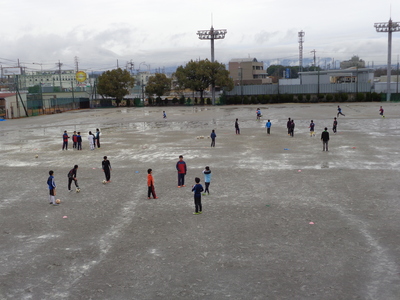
x=375, y=97
x=360, y=97
x=182, y=100
x=329, y=98
x=300, y=98
x=308, y=97
x=343, y=97
x=209, y=101
x=175, y=100
x=246, y=100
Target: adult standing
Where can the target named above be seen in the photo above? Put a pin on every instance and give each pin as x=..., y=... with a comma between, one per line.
x=325, y=139
x=213, y=136
x=98, y=137
x=106, y=165
x=182, y=169
x=237, y=126
x=91, y=140
x=65, y=140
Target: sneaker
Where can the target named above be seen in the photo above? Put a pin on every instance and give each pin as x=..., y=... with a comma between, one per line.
x=51, y=203
x=156, y=198
x=149, y=198
x=179, y=186
x=183, y=185
x=70, y=191
x=200, y=212
x=196, y=213
x=204, y=194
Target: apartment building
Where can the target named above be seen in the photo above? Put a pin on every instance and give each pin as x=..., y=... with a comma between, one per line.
x=248, y=71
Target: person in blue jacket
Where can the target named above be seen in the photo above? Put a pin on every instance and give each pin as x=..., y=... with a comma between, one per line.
x=207, y=179
x=268, y=126
x=197, y=189
x=213, y=136
x=52, y=188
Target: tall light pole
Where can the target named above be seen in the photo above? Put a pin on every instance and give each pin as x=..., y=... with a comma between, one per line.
x=388, y=27
x=212, y=34
x=301, y=34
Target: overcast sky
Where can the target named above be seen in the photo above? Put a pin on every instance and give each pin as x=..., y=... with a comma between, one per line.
x=162, y=33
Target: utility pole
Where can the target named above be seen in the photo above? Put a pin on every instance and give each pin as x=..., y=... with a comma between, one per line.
x=59, y=64
x=131, y=65
x=76, y=64
x=212, y=34
x=315, y=63
x=388, y=27
x=397, y=81
x=301, y=34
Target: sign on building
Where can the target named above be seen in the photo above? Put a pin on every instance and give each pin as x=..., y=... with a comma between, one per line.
x=11, y=71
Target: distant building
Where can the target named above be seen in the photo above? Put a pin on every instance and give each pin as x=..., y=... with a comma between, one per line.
x=67, y=79
x=248, y=71
x=337, y=76
x=355, y=61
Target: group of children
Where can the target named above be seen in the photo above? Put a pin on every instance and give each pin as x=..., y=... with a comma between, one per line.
x=72, y=177
x=197, y=188
x=94, y=140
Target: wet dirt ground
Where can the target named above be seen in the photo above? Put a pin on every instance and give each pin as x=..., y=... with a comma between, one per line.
x=284, y=220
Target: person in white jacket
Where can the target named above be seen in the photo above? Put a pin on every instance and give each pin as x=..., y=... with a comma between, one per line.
x=91, y=140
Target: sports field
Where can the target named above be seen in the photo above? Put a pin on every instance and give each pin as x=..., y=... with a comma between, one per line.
x=284, y=220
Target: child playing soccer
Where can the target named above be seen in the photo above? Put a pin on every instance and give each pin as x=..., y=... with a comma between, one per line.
x=79, y=141
x=312, y=125
x=381, y=112
x=207, y=179
x=52, y=188
x=72, y=177
x=182, y=169
x=197, y=189
x=150, y=185
x=74, y=140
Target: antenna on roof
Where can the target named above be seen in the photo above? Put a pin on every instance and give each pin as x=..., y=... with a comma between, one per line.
x=212, y=21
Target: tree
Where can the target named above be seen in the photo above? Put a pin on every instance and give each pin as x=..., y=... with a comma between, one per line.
x=115, y=84
x=199, y=75
x=158, y=84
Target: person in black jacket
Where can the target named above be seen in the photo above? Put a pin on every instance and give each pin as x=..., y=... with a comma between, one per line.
x=325, y=139
x=106, y=165
x=72, y=177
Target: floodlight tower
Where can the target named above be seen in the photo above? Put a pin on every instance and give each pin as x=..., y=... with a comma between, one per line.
x=212, y=34
x=301, y=35
x=388, y=27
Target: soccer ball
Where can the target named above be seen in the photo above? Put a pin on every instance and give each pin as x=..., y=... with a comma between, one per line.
x=58, y=201
x=36, y=156
x=104, y=182
x=78, y=190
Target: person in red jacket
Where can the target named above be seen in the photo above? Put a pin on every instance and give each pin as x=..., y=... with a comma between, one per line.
x=181, y=167
x=65, y=140
x=74, y=140
x=150, y=185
